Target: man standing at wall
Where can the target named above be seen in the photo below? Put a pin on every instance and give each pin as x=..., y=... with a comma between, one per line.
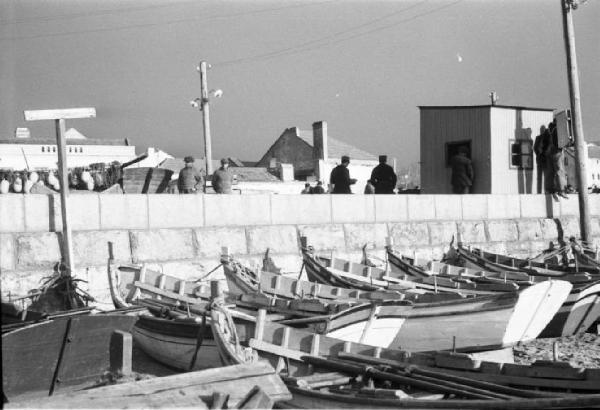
x=383, y=177
x=222, y=178
x=190, y=179
x=340, y=178
x=462, y=171
x=539, y=147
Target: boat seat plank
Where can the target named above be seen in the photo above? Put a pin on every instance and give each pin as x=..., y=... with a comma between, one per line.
x=456, y=361
x=263, y=346
x=166, y=293
x=544, y=371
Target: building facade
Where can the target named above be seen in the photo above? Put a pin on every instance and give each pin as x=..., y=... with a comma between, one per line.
x=314, y=155
x=22, y=153
x=499, y=140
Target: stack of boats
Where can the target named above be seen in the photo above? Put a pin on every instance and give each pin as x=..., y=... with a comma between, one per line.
x=409, y=335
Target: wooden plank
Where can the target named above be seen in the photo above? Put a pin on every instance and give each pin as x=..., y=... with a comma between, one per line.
x=263, y=346
x=456, y=361
x=547, y=372
x=172, y=295
x=121, y=352
x=66, y=113
x=259, y=330
x=180, y=390
x=315, y=344
x=285, y=339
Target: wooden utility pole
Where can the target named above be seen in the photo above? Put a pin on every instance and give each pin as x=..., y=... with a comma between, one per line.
x=205, y=117
x=585, y=225
x=59, y=117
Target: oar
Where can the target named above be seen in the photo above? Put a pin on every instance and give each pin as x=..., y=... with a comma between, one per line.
x=414, y=369
x=417, y=381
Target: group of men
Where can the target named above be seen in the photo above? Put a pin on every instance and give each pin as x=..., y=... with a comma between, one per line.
x=191, y=180
x=383, y=178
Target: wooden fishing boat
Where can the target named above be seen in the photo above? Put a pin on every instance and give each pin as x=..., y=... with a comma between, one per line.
x=577, y=314
x=178, y=339
x=131, y=282
x=478, y=258
x=342, y=273
x=324, y=372
x=184, y=344
x=474, y=324
x=579, y=311
x=414, y=268
x=58, y=354
x=146, y=180
x=466, y=324
x=243, y=280
x=245, y=386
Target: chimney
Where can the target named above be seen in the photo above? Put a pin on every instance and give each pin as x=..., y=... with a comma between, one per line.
x=320, y=144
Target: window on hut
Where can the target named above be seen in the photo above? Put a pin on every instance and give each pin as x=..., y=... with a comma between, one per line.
x=521, y=154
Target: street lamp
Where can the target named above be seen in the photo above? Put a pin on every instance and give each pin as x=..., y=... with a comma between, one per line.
x=202, y=103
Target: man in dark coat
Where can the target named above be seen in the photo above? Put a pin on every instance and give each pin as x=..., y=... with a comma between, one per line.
x=222, y=178
x=190, y=179
x=383, y=177
x=462, y=171
x=340, y=178
x=539, y=147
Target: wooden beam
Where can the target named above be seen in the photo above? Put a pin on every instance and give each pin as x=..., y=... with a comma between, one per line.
x=60, y=114
x=121, y=352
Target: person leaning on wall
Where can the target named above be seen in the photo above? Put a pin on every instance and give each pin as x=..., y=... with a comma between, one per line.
x=222, y=178
x=190, y=179
x=340, y=178
x=383, y=177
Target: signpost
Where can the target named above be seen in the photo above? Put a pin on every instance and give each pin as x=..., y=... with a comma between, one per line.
x=59, y=117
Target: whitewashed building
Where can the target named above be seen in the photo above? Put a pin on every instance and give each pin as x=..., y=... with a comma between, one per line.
x=26, y=152
x=500, y=141
x=314, y=154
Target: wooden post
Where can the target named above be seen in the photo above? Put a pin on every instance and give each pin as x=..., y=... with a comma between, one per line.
x=303, y=242
x=259, y=330
x=555, y=351
x=585, y=223
x=59, y=117
x=205, y=117
x=216, y=289
x=121, y=352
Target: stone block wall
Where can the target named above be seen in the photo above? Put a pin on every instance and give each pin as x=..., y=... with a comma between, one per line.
x=183, y=235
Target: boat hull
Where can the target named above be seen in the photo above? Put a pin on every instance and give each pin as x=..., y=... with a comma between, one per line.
x=174, y=343
x=74, y=350
x=476, y=324
x=577, y=314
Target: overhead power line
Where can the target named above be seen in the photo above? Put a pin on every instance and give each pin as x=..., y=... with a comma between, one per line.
x=170, y=22
x=323, y=41
x=289, y=50
x=93, y=13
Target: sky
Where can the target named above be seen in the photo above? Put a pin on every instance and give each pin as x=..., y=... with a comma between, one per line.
x=364, y=66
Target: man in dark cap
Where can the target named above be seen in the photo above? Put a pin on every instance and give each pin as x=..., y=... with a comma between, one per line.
x=383, y=177
x=222, y=178
x=340, y=178
x=190, y=179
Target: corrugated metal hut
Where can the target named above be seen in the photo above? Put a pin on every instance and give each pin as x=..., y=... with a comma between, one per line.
x=499, y=139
